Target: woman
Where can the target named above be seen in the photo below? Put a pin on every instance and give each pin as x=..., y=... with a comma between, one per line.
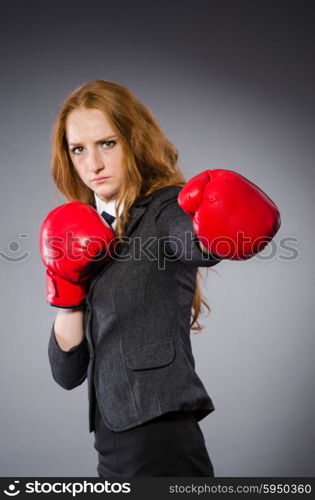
x=121, y=265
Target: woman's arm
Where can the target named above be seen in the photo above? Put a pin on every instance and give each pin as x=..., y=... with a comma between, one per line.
x=178, y=238
x=68, y=351
x=69, y=328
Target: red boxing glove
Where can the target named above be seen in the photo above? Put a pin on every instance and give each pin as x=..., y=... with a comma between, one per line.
x=232, y=217
x=75, y=242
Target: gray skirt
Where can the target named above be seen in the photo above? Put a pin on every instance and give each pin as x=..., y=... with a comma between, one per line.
x=169, y=445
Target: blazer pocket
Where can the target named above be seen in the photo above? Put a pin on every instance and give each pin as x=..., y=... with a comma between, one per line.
x=151, y=356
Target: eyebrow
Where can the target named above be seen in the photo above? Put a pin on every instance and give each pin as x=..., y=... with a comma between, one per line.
x=96, y=142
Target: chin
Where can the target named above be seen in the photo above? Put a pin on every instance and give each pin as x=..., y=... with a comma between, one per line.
x=105, y=194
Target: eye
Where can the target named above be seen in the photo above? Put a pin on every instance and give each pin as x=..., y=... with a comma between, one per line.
x=108, y=144
x=77, y=150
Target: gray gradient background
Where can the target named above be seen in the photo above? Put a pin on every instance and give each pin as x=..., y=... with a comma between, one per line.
x=231, y=83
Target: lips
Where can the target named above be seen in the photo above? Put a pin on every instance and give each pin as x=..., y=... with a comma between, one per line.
x=98, y=179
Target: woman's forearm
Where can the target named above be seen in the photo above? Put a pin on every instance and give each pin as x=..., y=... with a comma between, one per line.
x=68, y=328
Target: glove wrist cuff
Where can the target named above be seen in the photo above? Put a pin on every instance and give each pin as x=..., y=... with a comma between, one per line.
x=63, y=293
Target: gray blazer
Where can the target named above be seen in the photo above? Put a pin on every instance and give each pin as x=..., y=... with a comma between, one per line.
x=136, y=353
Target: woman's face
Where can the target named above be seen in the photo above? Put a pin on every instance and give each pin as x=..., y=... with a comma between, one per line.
x=95, y=151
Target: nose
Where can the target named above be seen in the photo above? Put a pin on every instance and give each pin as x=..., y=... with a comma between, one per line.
x=95, y=161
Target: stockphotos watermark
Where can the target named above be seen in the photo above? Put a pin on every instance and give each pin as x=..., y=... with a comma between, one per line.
x=159, y=487
x=160, y=249
x=75, y=488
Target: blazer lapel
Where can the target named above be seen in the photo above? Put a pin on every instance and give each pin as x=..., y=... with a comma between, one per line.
x=136, y=212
